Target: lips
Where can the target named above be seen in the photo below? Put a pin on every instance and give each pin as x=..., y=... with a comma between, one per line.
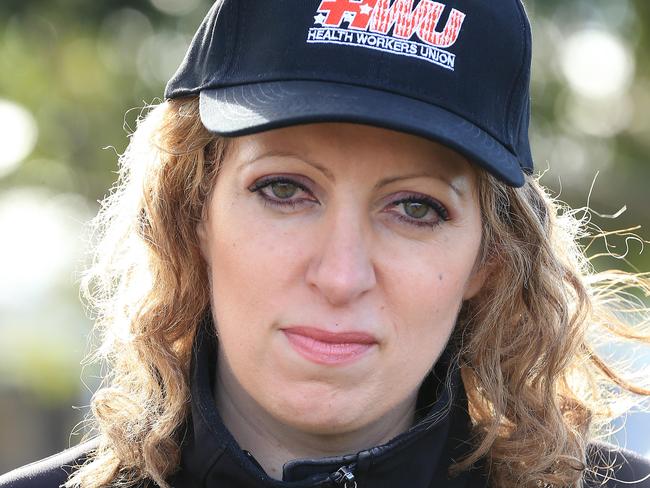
x=329, y=348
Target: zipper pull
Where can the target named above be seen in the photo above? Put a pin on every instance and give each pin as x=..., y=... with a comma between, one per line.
x=344, y=476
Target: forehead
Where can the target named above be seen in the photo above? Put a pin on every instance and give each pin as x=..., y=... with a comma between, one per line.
x=382, y=149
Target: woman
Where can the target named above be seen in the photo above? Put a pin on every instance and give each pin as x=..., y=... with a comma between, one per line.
x=326, y=263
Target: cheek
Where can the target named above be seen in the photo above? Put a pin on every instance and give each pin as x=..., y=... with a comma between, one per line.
x=430, y=303
x=254, y=259
x=424, y=293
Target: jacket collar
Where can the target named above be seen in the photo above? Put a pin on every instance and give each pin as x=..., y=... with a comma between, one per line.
x=417, y=458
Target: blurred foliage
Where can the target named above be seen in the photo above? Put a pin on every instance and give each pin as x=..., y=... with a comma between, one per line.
x=74, y=65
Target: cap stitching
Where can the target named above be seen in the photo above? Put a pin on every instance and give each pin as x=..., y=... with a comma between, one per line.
x=516, y=80
x=232, y=29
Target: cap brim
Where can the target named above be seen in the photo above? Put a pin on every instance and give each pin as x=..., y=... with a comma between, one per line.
x=246, y=109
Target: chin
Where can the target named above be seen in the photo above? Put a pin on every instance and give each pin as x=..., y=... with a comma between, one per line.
x=326, y=423
x=325, y=413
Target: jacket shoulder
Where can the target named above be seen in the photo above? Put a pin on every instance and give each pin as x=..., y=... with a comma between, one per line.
x=614, y=467
x=50, y=472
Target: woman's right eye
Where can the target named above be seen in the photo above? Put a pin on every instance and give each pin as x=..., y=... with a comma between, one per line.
x=283, y=190
x=278, y=191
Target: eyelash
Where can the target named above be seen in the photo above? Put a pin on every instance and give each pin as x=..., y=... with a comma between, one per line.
x=436, y=206
x=443, y=215
x=264, y=182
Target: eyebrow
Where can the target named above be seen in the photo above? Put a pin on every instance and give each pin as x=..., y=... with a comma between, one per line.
x=328, y=174
x=392, y=179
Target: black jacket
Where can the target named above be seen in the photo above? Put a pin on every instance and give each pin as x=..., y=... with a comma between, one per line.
x=418, y=458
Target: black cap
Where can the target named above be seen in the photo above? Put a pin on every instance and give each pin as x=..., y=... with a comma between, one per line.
x=456, y=72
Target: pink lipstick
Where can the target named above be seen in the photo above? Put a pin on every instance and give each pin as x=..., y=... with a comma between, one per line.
x=330, y=348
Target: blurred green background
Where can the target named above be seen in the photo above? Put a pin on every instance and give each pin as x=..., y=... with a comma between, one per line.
x=74, y=75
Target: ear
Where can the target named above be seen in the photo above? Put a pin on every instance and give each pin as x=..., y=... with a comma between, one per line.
x=476, y=281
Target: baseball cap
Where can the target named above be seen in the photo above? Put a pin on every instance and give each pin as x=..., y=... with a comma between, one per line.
x=456, y=72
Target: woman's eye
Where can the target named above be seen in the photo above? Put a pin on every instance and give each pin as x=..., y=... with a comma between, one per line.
x=416, y=210
x=283, y=189
x=279, y=191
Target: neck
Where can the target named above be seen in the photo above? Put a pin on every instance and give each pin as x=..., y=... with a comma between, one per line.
x=273, y=444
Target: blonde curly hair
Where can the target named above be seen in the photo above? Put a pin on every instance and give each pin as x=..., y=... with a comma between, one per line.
x=536, y=388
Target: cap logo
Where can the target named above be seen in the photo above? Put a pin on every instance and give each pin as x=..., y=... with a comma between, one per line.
x=366, y=23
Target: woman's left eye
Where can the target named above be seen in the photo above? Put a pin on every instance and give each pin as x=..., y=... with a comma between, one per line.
x=281, y=191
x=417, y=208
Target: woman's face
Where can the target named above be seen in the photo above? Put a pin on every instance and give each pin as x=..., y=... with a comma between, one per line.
x=339, y=257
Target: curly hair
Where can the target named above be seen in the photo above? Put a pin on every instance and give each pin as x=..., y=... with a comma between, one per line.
x=537, y=390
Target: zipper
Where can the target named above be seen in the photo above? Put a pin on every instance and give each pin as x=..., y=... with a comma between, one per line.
x=344, y=477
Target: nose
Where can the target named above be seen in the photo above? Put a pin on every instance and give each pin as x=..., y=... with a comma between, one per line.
x=341, y=267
